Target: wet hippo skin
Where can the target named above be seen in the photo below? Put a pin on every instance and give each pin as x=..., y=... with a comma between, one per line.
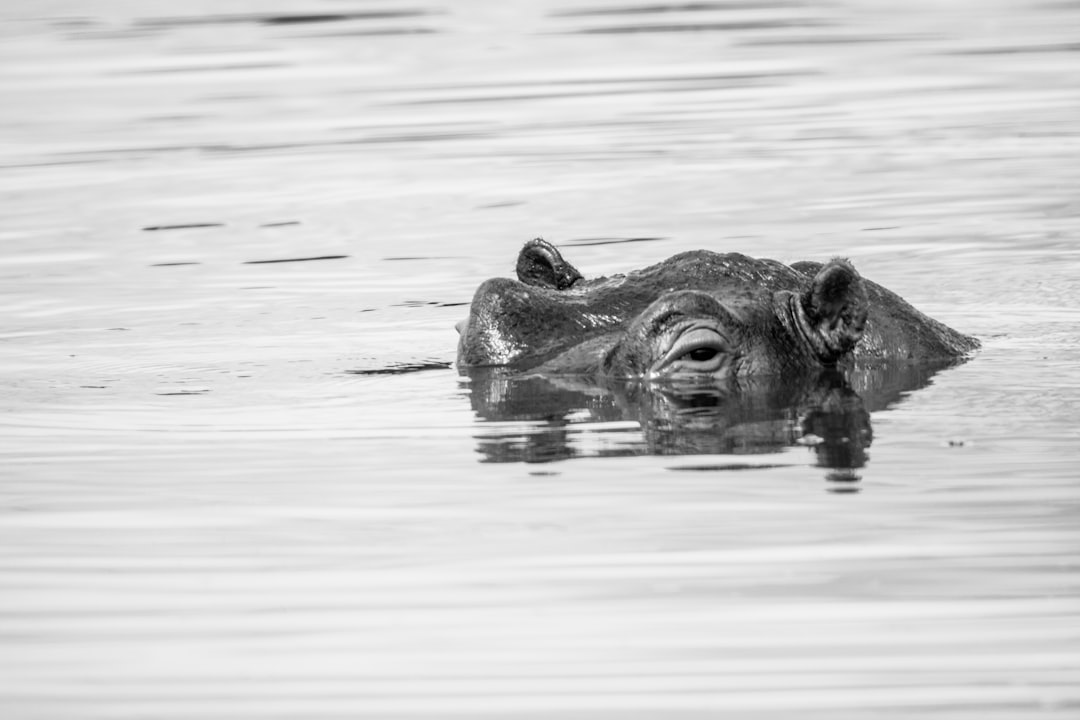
x=697, y=314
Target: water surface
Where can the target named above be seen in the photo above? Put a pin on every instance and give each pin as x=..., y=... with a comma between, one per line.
x=242, y=478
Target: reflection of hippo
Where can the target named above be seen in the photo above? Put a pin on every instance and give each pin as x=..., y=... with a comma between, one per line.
x=827, y=411
x=696, y=314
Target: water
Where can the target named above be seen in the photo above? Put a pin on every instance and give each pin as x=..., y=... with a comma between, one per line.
x=253, y=489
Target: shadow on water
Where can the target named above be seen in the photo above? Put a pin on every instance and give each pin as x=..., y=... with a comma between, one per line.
x=557, y=418
x=281, y=19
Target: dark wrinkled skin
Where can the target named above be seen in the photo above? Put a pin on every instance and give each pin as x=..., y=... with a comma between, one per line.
x=698, y=314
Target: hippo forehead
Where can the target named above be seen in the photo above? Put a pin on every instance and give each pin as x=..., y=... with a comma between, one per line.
x=721, y=273
x=732, y=278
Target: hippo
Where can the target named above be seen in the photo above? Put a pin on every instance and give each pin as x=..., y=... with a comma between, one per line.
x=696, y=315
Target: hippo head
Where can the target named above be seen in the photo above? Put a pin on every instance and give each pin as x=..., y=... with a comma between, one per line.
x=687, y=333
x=698, y=314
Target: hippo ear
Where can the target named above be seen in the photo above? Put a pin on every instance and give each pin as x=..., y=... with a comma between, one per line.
x=540, y=264
x=835, y=308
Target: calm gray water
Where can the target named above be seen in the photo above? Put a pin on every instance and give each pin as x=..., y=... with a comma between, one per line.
x=238, y=487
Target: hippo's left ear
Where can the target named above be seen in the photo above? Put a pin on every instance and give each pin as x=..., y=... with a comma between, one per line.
x=834, y=309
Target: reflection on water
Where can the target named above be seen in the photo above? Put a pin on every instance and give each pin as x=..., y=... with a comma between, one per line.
x=828, y=412
x=240, y=479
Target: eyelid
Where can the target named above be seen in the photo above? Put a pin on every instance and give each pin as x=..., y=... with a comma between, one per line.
x=693, y=339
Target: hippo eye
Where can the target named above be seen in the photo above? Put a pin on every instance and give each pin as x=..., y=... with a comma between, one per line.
x=702, y=354
x=699, y=350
